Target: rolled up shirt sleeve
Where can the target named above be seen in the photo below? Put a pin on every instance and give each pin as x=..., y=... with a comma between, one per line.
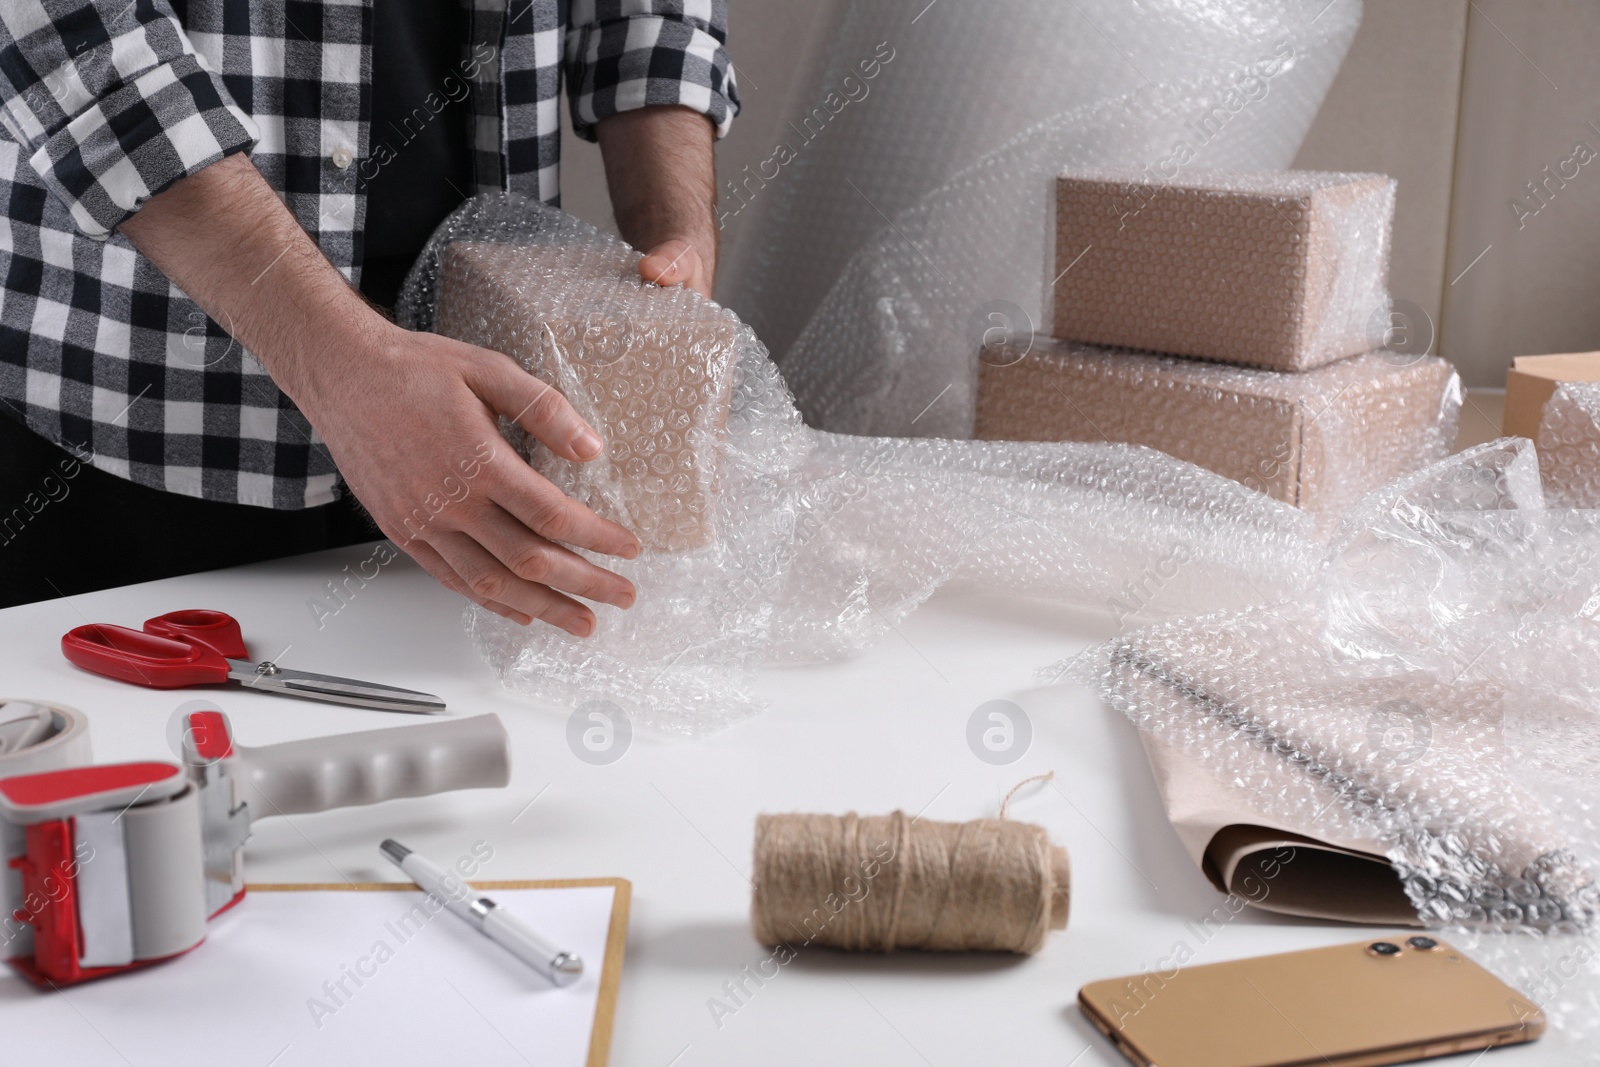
x=626, y=54
x=112, y=103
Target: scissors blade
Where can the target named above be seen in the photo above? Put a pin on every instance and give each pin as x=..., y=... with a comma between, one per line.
x=330, y=688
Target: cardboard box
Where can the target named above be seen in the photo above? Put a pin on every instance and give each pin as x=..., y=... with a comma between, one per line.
x=1318, y=439
x=1532, y=379
x=1280, y=269
x=1554, y=401
x=650, y=369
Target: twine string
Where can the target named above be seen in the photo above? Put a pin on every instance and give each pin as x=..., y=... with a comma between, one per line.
x=887, y=882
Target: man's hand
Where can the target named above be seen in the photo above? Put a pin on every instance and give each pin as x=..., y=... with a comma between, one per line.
x=447, y=488
x=676, y=262
x=409, y=418
x=659, y=167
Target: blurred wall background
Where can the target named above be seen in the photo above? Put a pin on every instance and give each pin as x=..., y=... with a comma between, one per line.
x=1465, y=102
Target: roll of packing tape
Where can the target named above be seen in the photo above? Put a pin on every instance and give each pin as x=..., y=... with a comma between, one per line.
x=37, y=736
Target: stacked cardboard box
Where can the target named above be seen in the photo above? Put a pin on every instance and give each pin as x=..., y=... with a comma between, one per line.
x=1554, y=401
x=1283, y=274
x=1318, y=440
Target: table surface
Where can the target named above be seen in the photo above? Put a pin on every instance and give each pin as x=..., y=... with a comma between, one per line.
x=887, y=730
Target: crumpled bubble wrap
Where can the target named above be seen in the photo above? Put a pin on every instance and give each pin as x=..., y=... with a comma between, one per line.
x=872, y=261
x=809, y=546
x=1569, y=445
x=816, y=544
x=1437, y=689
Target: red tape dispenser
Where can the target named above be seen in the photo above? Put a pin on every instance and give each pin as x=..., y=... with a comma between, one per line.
x=93, y=840
x=114, y=867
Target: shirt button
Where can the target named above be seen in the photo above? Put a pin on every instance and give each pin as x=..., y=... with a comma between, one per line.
x=342, y=157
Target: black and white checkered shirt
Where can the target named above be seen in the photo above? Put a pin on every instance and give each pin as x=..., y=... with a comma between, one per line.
x=104, y=103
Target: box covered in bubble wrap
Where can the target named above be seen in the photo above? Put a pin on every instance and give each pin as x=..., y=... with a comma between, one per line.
x=1554, y=400
x=1319, y=439
x=653, y=377
x=1282, y=269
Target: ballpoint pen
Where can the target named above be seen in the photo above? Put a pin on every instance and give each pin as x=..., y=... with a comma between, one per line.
x=494, y=922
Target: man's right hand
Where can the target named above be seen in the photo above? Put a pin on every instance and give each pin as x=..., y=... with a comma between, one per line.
x=410, y=421
x=406, y=415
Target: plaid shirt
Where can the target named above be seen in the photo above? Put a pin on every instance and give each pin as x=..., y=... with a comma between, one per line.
x=104, y=103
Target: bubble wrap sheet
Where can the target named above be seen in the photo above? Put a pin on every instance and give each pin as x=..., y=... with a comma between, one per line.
x=1437, y=689
x=767, y=541
x=872, y=260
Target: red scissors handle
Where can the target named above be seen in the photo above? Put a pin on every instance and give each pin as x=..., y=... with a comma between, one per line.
x=144, y=658
x=216, y=630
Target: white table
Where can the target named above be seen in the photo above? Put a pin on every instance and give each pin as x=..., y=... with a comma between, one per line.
x=676, y=817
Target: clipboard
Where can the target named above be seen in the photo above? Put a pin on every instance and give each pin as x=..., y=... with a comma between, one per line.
x=610, y=966
x=327, y=975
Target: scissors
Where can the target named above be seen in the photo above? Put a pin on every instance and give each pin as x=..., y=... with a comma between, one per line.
x=201, y=647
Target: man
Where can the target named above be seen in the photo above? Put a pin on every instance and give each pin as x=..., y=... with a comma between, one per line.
x=192, y=187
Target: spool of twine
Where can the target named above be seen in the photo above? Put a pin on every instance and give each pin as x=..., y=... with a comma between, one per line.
x=880, y=883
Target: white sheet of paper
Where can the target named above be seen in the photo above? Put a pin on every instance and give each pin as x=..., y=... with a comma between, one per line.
x=294, y=979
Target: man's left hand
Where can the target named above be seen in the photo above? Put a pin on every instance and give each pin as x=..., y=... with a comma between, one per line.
x=676, y=262
x=659, y=167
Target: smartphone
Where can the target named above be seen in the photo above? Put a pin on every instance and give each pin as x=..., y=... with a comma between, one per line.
x=1365, y=1003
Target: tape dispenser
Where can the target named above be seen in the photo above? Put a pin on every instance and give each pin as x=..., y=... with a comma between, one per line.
x=112, y=867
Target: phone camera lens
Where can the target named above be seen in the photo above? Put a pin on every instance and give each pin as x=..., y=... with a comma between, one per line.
x=1426, y=944
x=1384, y=948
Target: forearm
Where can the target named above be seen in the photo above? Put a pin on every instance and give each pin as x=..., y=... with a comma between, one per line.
x=661, y=171
x=223, y=237
x=408, y=417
